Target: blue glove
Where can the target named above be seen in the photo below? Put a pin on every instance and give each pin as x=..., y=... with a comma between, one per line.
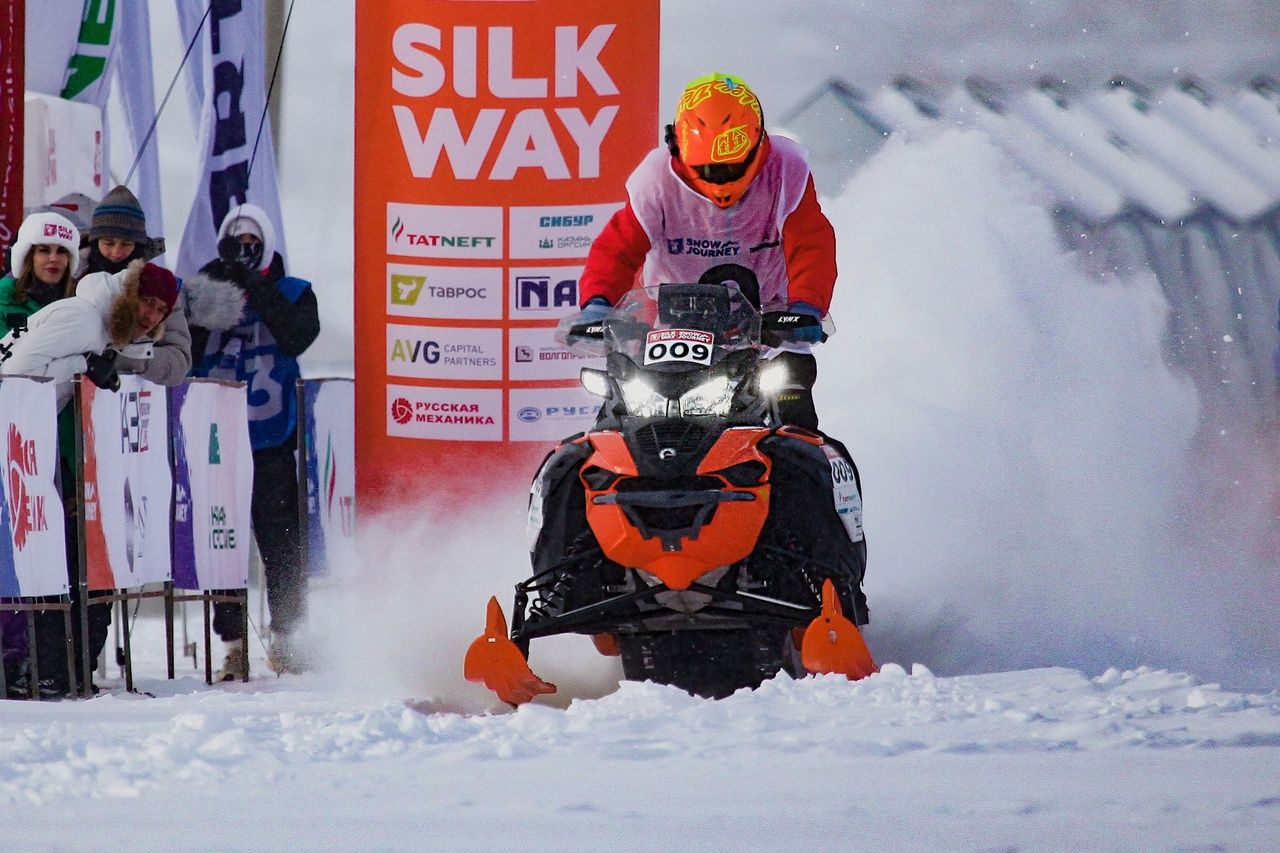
x=596, y=309
x=806, y=334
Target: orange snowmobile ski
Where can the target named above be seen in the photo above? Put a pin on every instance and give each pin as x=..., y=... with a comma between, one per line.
x=497, y=663
x=834, y=644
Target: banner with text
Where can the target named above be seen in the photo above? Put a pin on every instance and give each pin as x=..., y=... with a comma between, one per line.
x=213, y=485
x=12, y=96
x=235, y=94
x=128, y=483
x=33, y=557
x=495, y=142
x=328, y=442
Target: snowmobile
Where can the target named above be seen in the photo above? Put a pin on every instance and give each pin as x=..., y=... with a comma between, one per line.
x=689, y=531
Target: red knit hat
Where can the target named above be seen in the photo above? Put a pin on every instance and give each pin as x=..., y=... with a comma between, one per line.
x=158, y=282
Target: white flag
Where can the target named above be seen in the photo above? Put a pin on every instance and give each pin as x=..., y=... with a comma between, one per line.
x=234, y=89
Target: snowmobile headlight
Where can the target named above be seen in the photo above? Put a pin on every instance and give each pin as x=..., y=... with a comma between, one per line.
x=642, y=400
x=595, y=381
x=773, y=379
x=712, y=397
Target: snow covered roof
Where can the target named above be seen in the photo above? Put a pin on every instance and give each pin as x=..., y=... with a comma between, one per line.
x=1101, y=153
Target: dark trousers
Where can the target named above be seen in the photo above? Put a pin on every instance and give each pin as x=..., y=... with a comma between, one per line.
x=50, y=636
x=279, y=535
x=795, y=401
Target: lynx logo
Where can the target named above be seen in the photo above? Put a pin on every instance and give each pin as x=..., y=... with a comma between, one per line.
x=405, y=289
x=215, y=452
x=537, y=293
x=135, y=421
x=26, y=511
x=529, y=414
x=427, y=352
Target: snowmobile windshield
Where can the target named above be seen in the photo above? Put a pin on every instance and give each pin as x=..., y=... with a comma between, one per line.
x=679, y=327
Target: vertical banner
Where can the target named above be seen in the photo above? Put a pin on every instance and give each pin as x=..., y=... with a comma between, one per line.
x=138, y=96
x=33, y=558
x=235, y=96
x=128, y=483
x=12, y=92
x=213, y=485
x=53, y=32
x=494, y=141
x=327, y=416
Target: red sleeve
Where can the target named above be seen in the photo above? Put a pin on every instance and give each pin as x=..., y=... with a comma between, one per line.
x=615, y=258
x=809, y=245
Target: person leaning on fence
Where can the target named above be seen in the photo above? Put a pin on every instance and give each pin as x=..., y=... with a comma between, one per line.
x=249, y=323
x=108, y=315
x=117, y=237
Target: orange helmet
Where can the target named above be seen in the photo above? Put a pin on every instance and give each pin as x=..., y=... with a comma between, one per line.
x=717, y=137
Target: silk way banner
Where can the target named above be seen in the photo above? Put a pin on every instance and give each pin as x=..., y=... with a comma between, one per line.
x=33, y=557
x=213, y=485
x=128, y=483
x=328, y=442
x=234, y=90
x=494, y=143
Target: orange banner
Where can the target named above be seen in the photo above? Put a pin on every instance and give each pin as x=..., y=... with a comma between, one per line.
x=493, y=140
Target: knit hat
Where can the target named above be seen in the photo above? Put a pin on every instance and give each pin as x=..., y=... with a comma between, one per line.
x=158, y=282
x=119, y=215
x=44, y=229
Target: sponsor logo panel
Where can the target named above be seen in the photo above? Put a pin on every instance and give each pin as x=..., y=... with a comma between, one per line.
x=534, y=354
x=441, y=231
x=448, y=293
x=544, y=292
x=546, y=414
x=437, y=352
x=444, y=414
x=560, y=231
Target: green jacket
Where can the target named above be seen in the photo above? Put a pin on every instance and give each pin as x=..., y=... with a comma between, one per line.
x=15, y=313
x=10, y=306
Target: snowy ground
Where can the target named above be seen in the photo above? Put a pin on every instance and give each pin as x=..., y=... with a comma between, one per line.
x=1042, y=538
x=1032, y=760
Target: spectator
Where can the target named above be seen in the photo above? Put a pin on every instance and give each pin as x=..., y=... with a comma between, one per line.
x=250, y=322
x=42, y=258
x=117, y=236
x=83, y=334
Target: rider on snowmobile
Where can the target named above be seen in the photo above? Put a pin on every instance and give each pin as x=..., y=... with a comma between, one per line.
x=723, y=201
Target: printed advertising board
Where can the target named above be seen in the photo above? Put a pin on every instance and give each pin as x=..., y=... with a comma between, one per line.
x=494, y=142
x=33, y=553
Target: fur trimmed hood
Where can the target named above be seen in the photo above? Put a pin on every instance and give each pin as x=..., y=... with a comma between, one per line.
x=212, y=303
x=116, y=298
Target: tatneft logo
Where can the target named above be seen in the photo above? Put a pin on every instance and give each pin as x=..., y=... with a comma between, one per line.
x=703, y=248
x=447, y=354
x=401, y=235
x=540, y=293
x=406, y=289
x=438, y=412
x=578, y=221
x=439, y=231
x=26, y=510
